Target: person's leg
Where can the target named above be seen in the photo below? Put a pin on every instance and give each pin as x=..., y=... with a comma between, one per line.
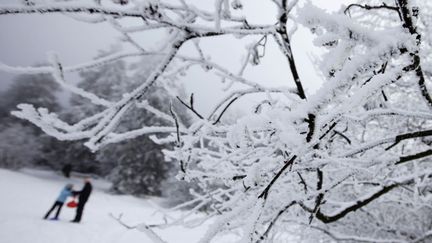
x=79, y=212
x=49, y=211
x=59, y=207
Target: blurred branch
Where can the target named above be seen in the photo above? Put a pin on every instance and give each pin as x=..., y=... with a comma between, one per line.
x=369, y=7
x=191, y=106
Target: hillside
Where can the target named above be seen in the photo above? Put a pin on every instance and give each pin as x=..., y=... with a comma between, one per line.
x=28, y=194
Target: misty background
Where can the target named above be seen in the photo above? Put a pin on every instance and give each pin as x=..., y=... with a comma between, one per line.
x=26, y=39
x=141, y=170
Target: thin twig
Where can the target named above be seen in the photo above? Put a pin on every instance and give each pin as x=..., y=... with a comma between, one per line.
x=369, y=7
x=223, y=111
x=190, y=107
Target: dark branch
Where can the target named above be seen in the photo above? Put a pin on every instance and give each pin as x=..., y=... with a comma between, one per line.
x=388, y=140
x=266, y=190
x=311, y=127
x=369, y=7
x=274, y=220
x=238, y=177
x=223, y=111
x=190, y=107
x=328, y=130
x=409, y=24
x=343, y=136
x=359, y=204
x=419, y=155
x=173, y=114
x=303, y=182
x=416, y=134
x=286, y=44
x=319, y=198
x=68, y=9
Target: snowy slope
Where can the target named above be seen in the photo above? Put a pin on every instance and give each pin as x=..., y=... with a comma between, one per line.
x=27, y=195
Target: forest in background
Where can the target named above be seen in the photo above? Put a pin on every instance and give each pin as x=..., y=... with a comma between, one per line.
x=135, y=167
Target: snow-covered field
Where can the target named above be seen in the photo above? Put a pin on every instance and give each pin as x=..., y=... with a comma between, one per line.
x=27, y=195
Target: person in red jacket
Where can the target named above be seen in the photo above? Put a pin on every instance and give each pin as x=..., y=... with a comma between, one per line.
x=83, y=196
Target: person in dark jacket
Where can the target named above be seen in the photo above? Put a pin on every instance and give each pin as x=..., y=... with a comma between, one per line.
x=83, y=196
x=66, y=170
x=64, y=194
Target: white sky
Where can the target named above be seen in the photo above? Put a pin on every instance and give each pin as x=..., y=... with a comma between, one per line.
x=25, y=40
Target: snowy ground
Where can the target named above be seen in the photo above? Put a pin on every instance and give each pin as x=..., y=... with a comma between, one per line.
x=27, y=195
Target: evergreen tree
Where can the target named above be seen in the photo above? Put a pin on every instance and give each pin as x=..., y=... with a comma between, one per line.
x=135, y=166
x=21, y=143
x=39, y=90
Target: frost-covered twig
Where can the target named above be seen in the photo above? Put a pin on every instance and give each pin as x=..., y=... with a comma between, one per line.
x=141, y=227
